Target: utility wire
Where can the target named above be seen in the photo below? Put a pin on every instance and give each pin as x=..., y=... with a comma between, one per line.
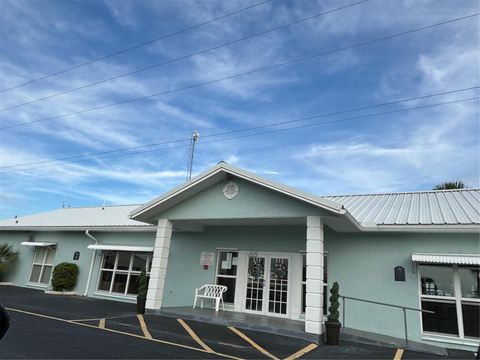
x=153, y=66
x=139, y=45
x=245, y=129
x=253, y=71
x=255, y=134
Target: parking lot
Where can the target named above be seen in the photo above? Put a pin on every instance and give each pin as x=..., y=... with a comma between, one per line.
x=49, y=326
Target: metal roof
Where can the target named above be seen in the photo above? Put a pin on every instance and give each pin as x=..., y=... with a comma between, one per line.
x=461, y=259
x=439, y=207
x=81, y=218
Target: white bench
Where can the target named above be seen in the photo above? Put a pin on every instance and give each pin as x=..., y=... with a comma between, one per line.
x=209, y=291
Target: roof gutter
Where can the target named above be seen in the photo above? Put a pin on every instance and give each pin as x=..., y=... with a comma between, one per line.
x=91, y=263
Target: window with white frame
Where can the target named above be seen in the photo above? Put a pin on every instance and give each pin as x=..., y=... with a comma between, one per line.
x=304, y=284
x=451, y=291
x=120, y=271
x=227, y=273
x=42, y=265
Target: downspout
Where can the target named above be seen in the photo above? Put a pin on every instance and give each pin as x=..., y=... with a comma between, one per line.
x=91, y=263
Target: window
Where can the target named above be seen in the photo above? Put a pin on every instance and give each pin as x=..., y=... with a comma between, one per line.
x=42, y=265
x=304, y=284
x=227, y=273
x=120, y=272
x=451, y=291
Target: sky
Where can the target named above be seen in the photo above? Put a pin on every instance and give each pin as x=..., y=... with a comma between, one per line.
x=349, y=153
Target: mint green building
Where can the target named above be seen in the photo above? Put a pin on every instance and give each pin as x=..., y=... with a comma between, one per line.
x=277, y=250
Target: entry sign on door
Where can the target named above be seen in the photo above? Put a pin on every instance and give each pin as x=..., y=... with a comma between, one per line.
x=206, y=258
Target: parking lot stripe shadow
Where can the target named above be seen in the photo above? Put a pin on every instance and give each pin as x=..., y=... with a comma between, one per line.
x=125, y=333
x=143, y=325
x=101, y=323
x=302, y=352
x=194, y=336
x=253, y=343
x=398, y=354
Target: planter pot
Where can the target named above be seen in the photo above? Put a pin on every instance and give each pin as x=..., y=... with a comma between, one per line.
x=141, y=305
x=333, y=332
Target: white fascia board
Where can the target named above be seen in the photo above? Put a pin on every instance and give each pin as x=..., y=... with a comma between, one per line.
x=81, y=228
x=423, y=228
x=37, y=244
x=121, y=248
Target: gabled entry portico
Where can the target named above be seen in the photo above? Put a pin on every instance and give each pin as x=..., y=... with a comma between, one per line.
x=266, y=240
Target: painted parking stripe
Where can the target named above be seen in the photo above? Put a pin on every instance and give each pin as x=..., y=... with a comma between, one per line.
x=253, y=343
x=145, y=331
x=124, y=333
x=101, y=323
x=398, y=354
x=194, y=336
x=302, y=352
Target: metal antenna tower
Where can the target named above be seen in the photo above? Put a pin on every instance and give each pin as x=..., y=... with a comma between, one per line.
x=195, y=137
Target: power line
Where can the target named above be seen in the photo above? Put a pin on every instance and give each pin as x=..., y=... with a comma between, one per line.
x=255, y=134
x=139, y=45
x=339, y=112
x=277, y=65
x=170, y=61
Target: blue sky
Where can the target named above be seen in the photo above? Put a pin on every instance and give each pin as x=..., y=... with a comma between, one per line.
x=404, y=151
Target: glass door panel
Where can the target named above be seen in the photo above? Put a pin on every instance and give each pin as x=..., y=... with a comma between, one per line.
x=255, y=283
x=278, y=286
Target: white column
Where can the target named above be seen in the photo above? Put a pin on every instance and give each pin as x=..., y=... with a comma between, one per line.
x=159, y=264
x=314, y=297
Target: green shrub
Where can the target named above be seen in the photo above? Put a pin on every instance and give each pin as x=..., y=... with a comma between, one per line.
x=64, y=276
x=8, y=258
x=142, y=285
x=333, y=313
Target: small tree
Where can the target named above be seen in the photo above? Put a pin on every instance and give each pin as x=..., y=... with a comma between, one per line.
x=333, y=314
x=450, y=185
x=8, y=258
x=64, y=276
x=142, y=285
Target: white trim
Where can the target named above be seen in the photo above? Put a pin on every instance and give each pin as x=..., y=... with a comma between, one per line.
x=106, y=228
x=457, y=299
x=38, y=244
x=449, y=259
x=114, y=295
x=266, y=291
x=450, y=340
x=121, y=248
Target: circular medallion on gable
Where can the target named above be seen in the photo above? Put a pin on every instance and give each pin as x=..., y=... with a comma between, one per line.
x=230, y=190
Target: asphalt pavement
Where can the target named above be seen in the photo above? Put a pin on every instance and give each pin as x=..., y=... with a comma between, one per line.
x=72, y=327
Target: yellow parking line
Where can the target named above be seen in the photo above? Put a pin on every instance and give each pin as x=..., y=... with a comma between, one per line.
x=141, y=320
x=194, y=336
x=302, y=352
x=124, y=333
x=398, y=354
x=253, y=343
x=101, y=323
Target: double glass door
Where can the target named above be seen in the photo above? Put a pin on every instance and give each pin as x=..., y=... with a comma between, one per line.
x=267, y=284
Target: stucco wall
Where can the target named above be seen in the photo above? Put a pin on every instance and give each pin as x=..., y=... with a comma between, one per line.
x=185, y=273
x=363, y=265
x=252, y=201
x=68, y=243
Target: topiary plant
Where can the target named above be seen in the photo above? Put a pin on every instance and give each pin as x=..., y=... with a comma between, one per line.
x=333, y=314
x=64, y=276
x=142, y=285
x=8, y=257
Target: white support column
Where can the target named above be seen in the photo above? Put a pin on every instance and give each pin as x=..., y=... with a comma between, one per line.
x=314, y=297
x=159, y=264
